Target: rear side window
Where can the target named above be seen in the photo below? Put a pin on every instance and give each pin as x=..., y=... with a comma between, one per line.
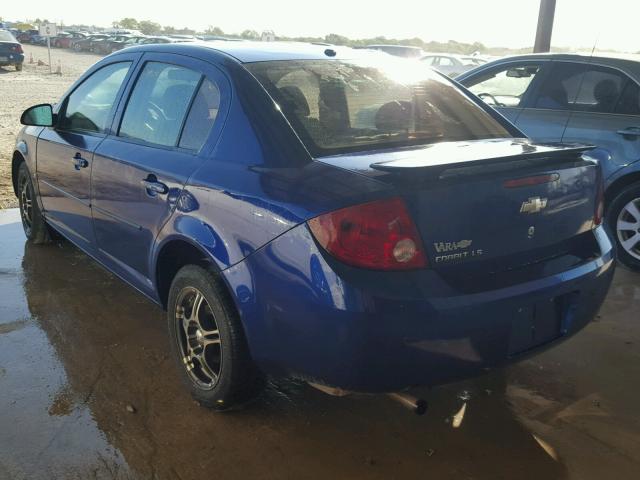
x=629, y=103
x=202, y=116
x=341, y=106
x=158, y=104
x=88, y=107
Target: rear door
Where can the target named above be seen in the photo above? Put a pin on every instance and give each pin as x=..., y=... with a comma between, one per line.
x=65, y=151
x=606, y=113
x=165, y=130
x=507, y=86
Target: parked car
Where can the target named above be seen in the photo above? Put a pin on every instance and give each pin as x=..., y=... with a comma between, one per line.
x=10, y=51
x=152, y=40
x=238, y=186
x=90, y=43
x=67, y=39
x=574, y=98
x=452, y=65
x=404, y=51
x=117, y=42
x=27, y=36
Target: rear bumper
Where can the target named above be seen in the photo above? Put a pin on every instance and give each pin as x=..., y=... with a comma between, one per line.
x=374, y=332
x=12, y=58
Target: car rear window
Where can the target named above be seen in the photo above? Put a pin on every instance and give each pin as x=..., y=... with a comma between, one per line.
x=6, y=36
x=339, y=106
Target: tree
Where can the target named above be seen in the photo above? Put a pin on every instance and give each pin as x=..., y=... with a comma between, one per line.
x=148, y=27
x=169, y=30
x=129, y=23
x=250, y=35
x=336, y=39
x=211, y=30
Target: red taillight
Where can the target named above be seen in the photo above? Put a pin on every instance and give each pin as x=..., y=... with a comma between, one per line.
x=378, y=235
x=531, y=181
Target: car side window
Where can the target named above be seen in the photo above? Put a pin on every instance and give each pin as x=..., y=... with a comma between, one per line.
x=505, y=87
x=158, y=104
x=629, y=103
x=201, y=117
x=446, y=62
x=429, y=60
x=582, y=88
x=88, y=107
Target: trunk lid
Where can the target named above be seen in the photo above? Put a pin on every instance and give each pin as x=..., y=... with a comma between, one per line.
x=496, y=205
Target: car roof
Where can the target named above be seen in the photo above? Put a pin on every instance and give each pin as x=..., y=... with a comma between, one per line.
x=255, y=51
x=578, y=57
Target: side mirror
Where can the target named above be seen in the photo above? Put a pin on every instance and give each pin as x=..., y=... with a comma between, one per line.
x=38, y=115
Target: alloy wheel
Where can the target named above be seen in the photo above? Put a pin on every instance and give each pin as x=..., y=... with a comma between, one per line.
x=198, y=338
x=628, y=228
x=26, y=204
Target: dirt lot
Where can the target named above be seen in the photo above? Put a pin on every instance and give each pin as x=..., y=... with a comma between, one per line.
x=19, y=90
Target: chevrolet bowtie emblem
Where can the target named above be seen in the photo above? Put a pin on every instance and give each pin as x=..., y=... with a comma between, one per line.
x=533, y=205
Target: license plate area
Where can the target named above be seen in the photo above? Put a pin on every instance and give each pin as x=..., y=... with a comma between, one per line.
x=540, y=323
x=4, y=59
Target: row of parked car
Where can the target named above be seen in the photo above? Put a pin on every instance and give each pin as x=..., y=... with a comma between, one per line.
x=103, y=43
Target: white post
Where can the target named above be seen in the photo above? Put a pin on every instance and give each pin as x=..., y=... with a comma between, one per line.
x=49, y=48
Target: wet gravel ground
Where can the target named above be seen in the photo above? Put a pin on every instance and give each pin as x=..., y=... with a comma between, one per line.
x=87, y=390
x=33, y=85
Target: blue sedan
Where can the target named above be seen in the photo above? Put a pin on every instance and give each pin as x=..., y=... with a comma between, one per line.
x=340, y=216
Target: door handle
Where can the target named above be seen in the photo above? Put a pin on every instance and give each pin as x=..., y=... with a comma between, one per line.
x=629, y=132
x=79, y=162
x=153, y=186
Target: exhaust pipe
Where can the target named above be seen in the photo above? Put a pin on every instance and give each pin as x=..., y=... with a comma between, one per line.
x=416, y=405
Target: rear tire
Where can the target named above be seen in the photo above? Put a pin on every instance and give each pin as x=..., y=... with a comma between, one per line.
x=623, y=219
x=208, y=342
x=35, y=228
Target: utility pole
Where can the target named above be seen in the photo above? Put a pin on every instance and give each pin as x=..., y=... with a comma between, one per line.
x=545, y=26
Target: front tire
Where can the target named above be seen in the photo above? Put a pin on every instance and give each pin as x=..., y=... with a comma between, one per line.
x=35, y=228
x=208, y=342
x=623, y=219
x=18, y=67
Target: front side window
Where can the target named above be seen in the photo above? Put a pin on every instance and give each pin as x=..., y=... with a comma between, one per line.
x=371, y=103
x=88, y=107
x=506, y=87
x=583, y=88
x=158, y=104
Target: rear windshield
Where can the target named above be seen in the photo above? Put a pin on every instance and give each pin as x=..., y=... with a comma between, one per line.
x=339, y=106
x=6, y=36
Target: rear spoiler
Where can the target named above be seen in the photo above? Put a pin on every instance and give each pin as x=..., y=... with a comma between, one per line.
x=439, y=158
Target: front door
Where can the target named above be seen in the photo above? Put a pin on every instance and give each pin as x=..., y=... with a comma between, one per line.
x=65, y=151
x=139, y=172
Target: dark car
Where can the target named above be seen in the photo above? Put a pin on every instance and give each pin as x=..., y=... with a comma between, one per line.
x=117, y=42
x=10, y=50
x=334, y=215
x=89, y=43
x=573, y=98
x=67, y=39
x=27, y=36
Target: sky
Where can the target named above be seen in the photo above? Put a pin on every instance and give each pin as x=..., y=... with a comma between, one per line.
x=612, y=24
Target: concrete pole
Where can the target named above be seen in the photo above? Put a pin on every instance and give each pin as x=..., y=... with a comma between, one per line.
x=545, y=26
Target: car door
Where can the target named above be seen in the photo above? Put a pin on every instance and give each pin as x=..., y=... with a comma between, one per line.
x=606, y=113
x=506, y=86
x=548, y=108
x=163, y=134
x=65, y=151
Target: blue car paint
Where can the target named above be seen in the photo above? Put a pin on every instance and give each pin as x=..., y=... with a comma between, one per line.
x=243, y=202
